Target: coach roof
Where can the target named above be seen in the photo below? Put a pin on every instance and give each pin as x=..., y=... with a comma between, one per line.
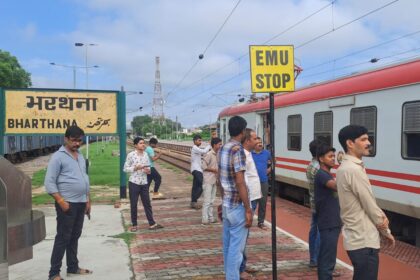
x=388, y=77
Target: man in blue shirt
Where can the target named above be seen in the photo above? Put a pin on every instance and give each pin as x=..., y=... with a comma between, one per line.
x=262, y=159
x=327, y=211
x=67, y=182
x=154, y=174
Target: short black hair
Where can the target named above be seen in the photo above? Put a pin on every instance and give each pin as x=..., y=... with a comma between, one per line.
x=137, y=140
x=248, y=132
x=153, y=141
x=313, y=146
x=350, y=132
x=215, y=141
x=236, y=125
x=74, y=131
x=196, y=137
x=323, y=149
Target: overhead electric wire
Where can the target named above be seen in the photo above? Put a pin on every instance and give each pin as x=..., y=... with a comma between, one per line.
x=360, y=51
x=267, y=41
x=364, y=62
x=345, y=24
x=309, y=41
x=207, y=47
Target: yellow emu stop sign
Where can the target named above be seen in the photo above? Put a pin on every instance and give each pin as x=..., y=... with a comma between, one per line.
x=272, y=68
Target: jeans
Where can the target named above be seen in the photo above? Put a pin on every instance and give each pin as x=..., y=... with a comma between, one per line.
x=197, y=186
x=69, y=229
x=154, y=176
x=143, y=191
x=262, y=203
x=209, y=193
x=314, y=240
x=327, y=252
x=243, y=264
x=234, y=239
x=365, y=263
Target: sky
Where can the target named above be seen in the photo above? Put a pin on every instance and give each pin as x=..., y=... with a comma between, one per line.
x=331, y=39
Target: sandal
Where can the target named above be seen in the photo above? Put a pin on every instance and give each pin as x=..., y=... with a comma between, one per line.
x=133, y=229
x=81, y=271
x=155, y=226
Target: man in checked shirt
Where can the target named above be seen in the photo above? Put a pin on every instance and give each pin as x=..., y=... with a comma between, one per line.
x=236, y=209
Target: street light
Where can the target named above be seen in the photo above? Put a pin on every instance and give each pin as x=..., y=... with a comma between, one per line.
x=87, y=85
x=74, y=67
x=86, y=45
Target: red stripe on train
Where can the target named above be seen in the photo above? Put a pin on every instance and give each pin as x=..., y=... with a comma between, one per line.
x=377, y=183
x=395, y=175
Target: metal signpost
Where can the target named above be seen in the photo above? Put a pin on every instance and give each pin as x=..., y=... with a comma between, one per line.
x=272, y=70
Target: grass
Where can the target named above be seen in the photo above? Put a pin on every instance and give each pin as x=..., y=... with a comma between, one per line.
x=103, y=169
x=42, y=198
x=126, y=236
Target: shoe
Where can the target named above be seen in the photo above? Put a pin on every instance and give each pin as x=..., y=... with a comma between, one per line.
x=157, y=195
x=80, y=271
x=133, y=229
x=262, y=226
x=312, y=264
x=251, y=270
x=195, y=206
x=215, y=222
x=205, y=224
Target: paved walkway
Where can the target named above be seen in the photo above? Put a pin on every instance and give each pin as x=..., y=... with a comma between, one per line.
x=185, y=249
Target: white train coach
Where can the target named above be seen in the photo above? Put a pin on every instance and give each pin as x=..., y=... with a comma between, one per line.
x=386, y=101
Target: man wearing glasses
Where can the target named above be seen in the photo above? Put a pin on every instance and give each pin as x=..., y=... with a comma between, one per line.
x=68, y=183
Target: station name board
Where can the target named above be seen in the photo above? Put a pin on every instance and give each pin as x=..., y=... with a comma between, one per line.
x=52, y=111
x=272, y=68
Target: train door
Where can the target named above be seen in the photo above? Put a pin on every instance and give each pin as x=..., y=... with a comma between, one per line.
x=265, y=133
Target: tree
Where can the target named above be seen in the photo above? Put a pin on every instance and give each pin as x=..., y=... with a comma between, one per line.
x=12, y=75
x=144, y=124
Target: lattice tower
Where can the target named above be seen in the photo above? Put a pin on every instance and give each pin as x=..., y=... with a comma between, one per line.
x=158, y=101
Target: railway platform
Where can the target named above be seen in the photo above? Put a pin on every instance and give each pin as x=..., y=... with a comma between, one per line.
x=185, y=249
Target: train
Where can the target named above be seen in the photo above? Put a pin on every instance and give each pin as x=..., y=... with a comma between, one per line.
x=18, y=148
x=385, y=100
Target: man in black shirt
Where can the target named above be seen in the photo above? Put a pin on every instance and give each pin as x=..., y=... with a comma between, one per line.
x=327, y=210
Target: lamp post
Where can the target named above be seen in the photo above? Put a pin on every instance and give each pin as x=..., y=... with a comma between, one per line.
x=74, y=67
x=86, y=45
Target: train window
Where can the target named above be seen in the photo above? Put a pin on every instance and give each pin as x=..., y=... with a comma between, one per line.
x=294, y=132
x=411, y=131
x=366, y=116
x=323, y=126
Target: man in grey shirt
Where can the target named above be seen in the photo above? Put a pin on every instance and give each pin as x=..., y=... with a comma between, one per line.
x=67, y=182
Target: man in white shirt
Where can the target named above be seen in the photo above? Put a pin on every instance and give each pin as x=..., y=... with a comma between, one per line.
x=252, y=181
x=196, y=170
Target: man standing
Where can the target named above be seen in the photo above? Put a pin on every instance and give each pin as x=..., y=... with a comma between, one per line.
x=363, y=220
x=137, y=163
x=196, y=170
x=154, y=174
x=327, y=212
x=262, y=159
x=254, y=187
x=67, y=182
x=311, y=171
x=209, y=166
x=236, y=209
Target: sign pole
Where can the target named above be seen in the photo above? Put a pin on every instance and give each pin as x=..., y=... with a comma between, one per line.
x=273, y=190
x=123, y=140
x=2, y=121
